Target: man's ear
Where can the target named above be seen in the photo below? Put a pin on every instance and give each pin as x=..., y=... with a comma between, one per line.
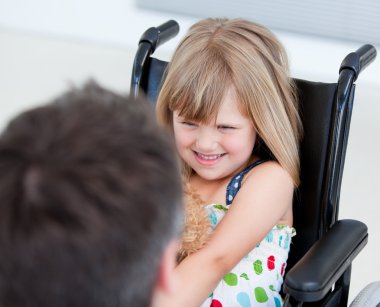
x=165, y=281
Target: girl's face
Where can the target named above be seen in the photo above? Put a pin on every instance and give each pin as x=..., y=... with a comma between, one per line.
x=220, y=148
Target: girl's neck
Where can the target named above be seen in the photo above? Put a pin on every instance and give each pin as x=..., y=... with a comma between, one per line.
x=212, y=191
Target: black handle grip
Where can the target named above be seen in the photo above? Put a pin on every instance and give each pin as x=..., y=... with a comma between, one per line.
x=166, y=31
x=359, y=60
x=156, y=36
x=367, y=53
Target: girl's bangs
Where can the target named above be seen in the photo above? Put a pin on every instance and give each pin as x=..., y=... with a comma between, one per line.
x=197, y=95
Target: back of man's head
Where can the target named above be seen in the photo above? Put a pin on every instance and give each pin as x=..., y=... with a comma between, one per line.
x=89, y=196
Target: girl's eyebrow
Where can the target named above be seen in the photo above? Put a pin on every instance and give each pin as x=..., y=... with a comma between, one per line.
x=181, y=118
x=225, y=122
x=176, y=115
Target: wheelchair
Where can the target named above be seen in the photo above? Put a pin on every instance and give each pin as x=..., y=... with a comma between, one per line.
x=318, y=273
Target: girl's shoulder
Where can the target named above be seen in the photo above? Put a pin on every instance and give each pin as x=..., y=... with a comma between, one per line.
x=268, y=188
x=269, y=171
x=267, y=181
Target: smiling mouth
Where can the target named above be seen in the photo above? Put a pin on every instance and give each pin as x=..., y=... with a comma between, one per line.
x=208, y=157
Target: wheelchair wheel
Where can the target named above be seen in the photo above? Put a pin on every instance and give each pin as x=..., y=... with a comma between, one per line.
x=369, y=296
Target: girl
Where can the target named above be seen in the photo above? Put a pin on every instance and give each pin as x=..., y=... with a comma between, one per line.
x=232, y=109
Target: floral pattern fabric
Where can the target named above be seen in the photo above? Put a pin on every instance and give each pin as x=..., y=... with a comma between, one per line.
x=257, y=279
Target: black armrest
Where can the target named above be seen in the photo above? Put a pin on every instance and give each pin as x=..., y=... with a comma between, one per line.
x=312, y=277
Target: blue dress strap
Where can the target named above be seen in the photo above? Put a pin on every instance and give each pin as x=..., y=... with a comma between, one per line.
x=235, y=183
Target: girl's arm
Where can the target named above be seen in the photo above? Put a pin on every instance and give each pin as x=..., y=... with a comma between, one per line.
x=264, y=199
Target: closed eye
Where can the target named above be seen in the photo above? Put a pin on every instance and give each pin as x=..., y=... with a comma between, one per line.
x=226, y=127
x=189, y=124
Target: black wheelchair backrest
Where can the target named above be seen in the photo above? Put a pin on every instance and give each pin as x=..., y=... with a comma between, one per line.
x=325, y=110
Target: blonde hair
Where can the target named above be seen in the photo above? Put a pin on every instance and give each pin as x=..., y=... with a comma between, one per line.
x=219, y=53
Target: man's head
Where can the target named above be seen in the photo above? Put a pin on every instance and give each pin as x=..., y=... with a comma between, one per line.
x=90, y=197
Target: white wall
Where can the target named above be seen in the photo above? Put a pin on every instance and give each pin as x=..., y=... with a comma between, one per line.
x=339, y=19
x=120, y=23
x=110, y=22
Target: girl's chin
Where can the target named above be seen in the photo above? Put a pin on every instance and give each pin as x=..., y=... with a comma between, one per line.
x=208, y=174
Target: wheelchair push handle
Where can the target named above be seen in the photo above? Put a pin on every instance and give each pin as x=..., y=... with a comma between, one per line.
x=156, y=36
x=367, y=53
x=359, y=60
x=167, y=31
x=149, y=41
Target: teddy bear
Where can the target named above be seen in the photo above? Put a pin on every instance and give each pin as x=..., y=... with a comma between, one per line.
x=197, y=226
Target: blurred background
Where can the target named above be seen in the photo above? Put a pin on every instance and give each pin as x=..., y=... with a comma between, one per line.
x=47, y=46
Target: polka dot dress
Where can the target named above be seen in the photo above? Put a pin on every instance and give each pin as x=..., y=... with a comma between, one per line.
x=257, y=278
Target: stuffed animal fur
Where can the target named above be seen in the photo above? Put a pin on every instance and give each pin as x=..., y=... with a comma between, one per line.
x=197, y=225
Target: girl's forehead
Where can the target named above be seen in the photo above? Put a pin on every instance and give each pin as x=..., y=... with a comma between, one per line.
x=227, y=109
x=231, y=108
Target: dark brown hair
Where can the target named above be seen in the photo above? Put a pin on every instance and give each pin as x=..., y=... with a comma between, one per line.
x=90, y=193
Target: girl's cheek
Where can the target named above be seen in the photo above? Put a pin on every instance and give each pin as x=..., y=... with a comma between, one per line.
x=239, y=144
x=234, y=143
x=182, y=138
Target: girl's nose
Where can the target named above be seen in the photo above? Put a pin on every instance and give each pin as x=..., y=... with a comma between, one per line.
x=206, y=140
